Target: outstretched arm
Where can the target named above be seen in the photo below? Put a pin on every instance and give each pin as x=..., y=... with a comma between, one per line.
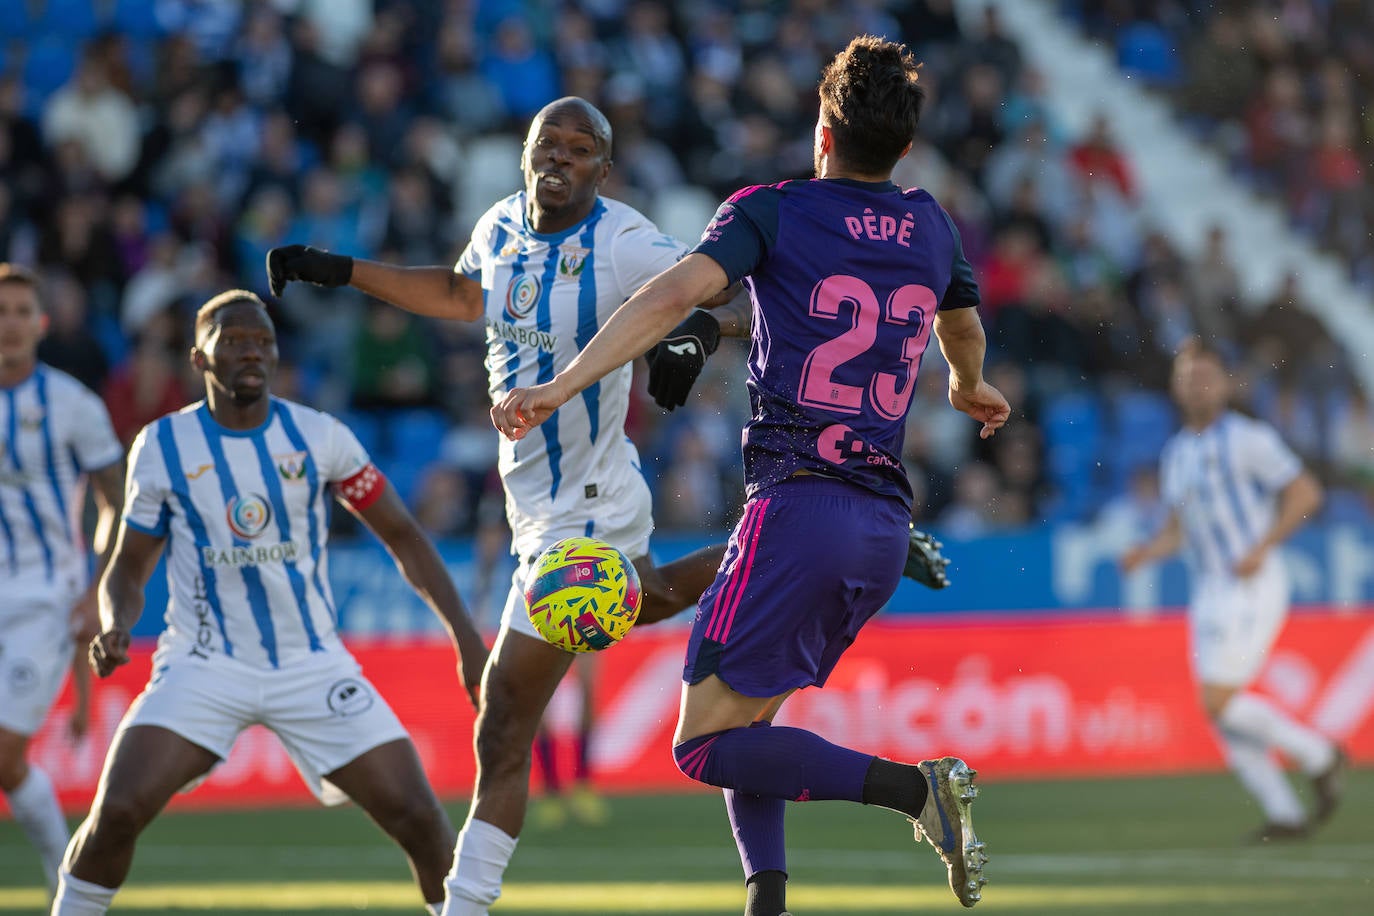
x=637, y=325
x=435, y=292
x=121, y=597
x=419, y=562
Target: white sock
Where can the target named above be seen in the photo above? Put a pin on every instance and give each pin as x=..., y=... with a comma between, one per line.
x=35, y=807
x=434, y=909
x=1264, y=778
x=81, y=898
x=479, y=861
x=1252, y=715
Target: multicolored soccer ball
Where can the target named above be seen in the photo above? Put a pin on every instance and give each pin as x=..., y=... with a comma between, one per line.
x=582, y=594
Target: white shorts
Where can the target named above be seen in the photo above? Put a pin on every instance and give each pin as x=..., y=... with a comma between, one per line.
x=35, y=655
x=1232, y=624
x=324, y=710
x=629, y=531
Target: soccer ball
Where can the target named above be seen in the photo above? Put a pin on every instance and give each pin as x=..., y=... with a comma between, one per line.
x=582, y=594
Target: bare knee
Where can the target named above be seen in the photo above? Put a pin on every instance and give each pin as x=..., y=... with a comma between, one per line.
x=417, y=822
x=119, y=818
x=503, y=734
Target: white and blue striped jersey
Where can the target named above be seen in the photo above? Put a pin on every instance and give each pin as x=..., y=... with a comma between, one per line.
x=246, y=518
x=545, y=298
x=52, y=430
x=1224, y=482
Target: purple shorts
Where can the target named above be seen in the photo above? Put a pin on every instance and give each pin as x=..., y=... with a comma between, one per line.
x=809, y=563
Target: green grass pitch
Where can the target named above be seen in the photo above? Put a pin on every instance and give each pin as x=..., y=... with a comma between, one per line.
x=1141, y=846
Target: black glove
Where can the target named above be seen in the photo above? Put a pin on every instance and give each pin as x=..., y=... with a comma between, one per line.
x=677, y=360
x=313, y=265
x=924, y=562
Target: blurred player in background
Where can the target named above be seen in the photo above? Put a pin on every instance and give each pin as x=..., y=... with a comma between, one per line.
x=236, y=488
x=1235, y=492
x=544, y=270
x=576, y=797
x=849, y=275
x=54, y=434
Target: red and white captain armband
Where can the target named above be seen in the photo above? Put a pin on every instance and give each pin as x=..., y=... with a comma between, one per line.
x=363, y=488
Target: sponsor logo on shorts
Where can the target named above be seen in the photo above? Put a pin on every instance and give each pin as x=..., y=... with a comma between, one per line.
x=349, y=697
x=22, y=678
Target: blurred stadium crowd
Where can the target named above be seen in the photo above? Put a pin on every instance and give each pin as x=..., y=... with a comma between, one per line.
x=152, y=151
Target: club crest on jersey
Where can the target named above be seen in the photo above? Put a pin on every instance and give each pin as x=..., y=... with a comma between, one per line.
x=521, y=296
x=291, y=466
x=248, y=515
x=571, y=262
x=31, y=419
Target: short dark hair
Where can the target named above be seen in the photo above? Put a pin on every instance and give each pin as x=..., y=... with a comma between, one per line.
x=205, y=315
x=871, y=102
x=18, y=273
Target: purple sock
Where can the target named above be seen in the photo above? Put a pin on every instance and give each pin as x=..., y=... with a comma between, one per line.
x=547, y=760
x=788, y=763
x=757, y=823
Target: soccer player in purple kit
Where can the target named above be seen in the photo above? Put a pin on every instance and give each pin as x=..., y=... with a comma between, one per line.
x=849, y=275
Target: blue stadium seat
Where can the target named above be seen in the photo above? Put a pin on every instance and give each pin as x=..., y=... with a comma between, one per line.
x=1147, y=51
x=18, y=22
x=1142, y=422
x=73, y=19
x=368, y=428
x=416, y=435
x=135, y=18
x=1074, y=443
x=50, y=62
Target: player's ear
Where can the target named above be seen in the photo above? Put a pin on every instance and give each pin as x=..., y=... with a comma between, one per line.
x=198, y=359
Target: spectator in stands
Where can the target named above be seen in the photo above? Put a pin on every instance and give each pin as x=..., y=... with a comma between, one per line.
x=148, y=384
x=1097, y=158
x=69, y=343
x=96, y=114
x=393, y=362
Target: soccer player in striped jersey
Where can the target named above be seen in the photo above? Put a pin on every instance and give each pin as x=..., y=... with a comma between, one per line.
x=850, y=276
x=54, y=435
x=236, y=489
x=1236, y=492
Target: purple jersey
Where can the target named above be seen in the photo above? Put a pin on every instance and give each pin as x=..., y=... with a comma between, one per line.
x=845, y=277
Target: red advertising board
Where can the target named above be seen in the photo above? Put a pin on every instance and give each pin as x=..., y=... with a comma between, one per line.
x=1017, y=698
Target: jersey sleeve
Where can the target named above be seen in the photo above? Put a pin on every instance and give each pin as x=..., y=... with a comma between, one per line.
x=146, y=488
x=640, y=252
x=743, y=231
x=963, y=289
x=478, y=249
x=93, y=437
x=1271, y=461
x=343, y=455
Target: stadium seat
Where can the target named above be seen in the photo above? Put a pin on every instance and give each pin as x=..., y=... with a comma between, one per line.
x=491, y=169
x=683, y=212
x=135, y=18
x=17, y=19
x=367, y=427
x=1142, y=422
x=73, y=19
x=50, y=63
x=1074, y=438
x=1146, y=50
